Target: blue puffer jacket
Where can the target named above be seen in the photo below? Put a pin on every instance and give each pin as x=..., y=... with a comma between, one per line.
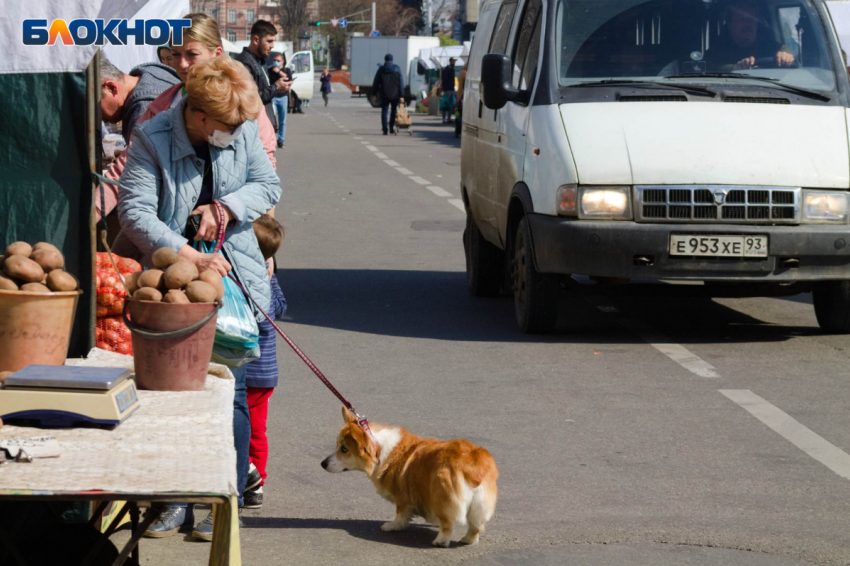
x=162, y=182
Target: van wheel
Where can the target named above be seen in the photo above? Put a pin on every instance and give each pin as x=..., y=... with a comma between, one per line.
x=832, y=306
x=535, y=294
x=484, y=262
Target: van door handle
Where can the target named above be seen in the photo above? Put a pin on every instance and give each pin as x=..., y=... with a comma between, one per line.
x=480, y=108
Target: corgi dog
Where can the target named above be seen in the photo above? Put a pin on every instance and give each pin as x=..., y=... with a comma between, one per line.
x=447, y=483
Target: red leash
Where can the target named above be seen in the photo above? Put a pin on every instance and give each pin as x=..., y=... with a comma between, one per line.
x=361, y=420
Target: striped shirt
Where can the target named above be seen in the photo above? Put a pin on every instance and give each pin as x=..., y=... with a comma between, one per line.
x=263, y=372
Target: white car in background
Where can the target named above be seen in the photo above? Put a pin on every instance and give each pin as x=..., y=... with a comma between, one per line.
x=301, y=65
x=690, y=140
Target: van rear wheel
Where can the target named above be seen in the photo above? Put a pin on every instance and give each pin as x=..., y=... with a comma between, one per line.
x=832, y=306
x=535, y=293
x=484, y=262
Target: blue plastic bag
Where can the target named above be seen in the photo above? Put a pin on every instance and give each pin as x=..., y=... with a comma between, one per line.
x=237, y=335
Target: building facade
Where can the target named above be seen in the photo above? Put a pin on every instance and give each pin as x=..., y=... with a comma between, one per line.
x=235, y=17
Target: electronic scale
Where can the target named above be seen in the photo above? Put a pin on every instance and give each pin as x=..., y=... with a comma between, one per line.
x=66, y=396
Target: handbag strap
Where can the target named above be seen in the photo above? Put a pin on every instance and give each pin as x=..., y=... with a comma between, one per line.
x=219, y=208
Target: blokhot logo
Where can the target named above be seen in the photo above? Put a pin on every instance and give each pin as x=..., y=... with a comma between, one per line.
x=99, y=32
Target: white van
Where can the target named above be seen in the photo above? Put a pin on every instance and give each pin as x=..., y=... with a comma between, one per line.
x=303, y=75
x=699, y=140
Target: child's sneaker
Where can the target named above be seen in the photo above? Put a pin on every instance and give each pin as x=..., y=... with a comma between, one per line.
x=253, y=498
x=254, y=478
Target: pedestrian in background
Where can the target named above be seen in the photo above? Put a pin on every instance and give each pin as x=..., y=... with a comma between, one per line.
x=163, y=53
x=389, y=85
x=447, y=104
x=254, y=57
x=262, y=374
x=281, y=102
x=325, y=79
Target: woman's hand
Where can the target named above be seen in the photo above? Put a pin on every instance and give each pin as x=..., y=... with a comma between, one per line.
x=216, y=262
x=209, y=227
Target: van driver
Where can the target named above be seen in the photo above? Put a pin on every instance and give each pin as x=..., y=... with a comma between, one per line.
x=741, y=45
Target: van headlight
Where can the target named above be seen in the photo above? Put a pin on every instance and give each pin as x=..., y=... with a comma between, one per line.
x=609, y=203
x=826, y=207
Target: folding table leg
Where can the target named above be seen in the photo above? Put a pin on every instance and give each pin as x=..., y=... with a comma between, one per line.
x=151, y=516
x=104, y=538
x=225, y=550
x=134, y=524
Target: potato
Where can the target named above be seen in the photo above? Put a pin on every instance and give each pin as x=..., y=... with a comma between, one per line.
x=7, y=284
x=214, y=279
x=131, y=281
x=164, y=258
x=45, y=246
x=23, y=268
x=48, y=259
x=147, y=294
x=18, y=248
x=200, y=292
x=152, y=278
x=59, y=280
x=180, y=274
x=176, y=297
x=35, y=288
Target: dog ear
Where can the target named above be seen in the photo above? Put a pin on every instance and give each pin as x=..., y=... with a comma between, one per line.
x=347, y=416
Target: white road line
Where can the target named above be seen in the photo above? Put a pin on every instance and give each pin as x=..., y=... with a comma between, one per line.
x=420, y=180
x=792, y=430
x=346, y=131
x=358, y=137
x=457, y=203
x=404, y=171
x=392, y=163
x=380, y=155
x=365, y=143
x=440, y=192
x=371, y=148
x=675, y=352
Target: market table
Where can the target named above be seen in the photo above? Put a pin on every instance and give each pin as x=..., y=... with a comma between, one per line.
x=177, y=447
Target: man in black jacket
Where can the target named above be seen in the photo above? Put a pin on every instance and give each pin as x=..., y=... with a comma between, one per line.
x=254, y=57
x=389, y=85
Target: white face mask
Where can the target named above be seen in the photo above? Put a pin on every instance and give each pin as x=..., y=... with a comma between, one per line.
x=223, y=139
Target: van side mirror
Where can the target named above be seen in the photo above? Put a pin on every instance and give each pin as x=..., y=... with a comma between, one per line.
x=495, y=86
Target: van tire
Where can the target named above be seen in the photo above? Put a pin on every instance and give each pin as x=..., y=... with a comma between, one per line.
x=535, y=293
x=484, y=262
x=832, y=306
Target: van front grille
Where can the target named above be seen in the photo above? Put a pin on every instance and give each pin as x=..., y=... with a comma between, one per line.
x=718, y=203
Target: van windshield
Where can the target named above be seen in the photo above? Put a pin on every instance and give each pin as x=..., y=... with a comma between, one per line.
x=705, y=41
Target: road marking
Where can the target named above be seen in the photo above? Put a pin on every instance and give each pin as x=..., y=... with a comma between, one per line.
x=420, y=180
x=365, y=143
x=380, y=155
x=371, y=148
x=392, y=163
x=792, y=430
x=458, y=204
x=358, y=137
x=404, y=171
x=440, y=192
x=346, y=131
x=675, y=352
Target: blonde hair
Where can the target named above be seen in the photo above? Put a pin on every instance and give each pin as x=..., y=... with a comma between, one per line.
x=204, y=30
x=223, y=89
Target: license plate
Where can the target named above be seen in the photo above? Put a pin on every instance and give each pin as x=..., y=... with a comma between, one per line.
x=718, y=246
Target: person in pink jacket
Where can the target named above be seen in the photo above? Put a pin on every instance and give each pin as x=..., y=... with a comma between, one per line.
x=201, y=42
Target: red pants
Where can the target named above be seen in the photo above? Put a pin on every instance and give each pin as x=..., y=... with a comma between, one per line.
x=258, y=406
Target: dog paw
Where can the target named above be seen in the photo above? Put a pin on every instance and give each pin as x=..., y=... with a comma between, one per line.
x=390, y=526
x=442, y=542
x=469, y=540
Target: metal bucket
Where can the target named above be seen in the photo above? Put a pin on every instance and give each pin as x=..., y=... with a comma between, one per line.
x=172, y=344
x=35, y=328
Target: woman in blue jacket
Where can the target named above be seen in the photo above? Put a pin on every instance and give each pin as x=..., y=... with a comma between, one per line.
x=205, y=149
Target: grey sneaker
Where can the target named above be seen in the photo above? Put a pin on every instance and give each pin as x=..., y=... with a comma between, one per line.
x=254, y=478
x=204, y=530
x=172, y=519
x=253, y=498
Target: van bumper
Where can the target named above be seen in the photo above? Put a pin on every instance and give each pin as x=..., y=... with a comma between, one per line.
x=625, y=249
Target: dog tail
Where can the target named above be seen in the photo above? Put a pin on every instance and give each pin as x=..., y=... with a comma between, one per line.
x=479, y=467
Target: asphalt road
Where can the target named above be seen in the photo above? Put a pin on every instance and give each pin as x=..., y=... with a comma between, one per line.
x=649, y=429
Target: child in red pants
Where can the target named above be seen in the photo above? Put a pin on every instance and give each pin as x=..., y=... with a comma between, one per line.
x=262, y=374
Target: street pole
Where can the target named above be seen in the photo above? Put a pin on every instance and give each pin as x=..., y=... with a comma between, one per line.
x=428, y=20
x=374, y=23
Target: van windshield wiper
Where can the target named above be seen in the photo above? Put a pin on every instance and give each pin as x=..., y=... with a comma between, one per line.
x=648, y=84
x=772, y=81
